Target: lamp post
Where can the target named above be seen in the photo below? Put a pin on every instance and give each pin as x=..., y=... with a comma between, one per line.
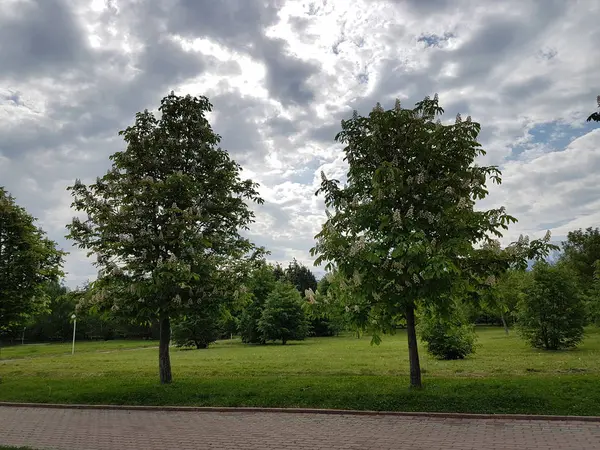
x=74, y=317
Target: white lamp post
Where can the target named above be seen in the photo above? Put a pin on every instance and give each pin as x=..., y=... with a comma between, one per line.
x=74, y=317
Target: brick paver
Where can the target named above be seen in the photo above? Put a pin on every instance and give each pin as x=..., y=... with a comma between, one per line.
x=73, y=429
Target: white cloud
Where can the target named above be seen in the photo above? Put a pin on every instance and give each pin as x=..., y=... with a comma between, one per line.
x=281, y=75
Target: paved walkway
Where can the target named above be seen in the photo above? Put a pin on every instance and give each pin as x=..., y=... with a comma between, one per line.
x=72, y=429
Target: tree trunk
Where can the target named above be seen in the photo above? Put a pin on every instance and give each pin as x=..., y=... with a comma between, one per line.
x=413, y=350
x=164, y=360
x=504, y=323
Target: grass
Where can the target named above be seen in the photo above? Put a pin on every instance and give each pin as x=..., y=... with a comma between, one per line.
x=34, y=350
x=504, y=376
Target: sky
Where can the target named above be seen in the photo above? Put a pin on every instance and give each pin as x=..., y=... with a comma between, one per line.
x=281, y=76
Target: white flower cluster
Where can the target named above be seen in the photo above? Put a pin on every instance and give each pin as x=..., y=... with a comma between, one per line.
x=415, y=278
x=420, y=178
x=356, y=278
x=491, y=280
x=410, y=213
x=310, y=296
x=462, y=203
x=428, y=216
x=358, y=246
x=398, y=106
x=449, y=190
x=397, y=217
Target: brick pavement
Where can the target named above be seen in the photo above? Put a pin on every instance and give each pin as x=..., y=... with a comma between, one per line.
x=75, y=429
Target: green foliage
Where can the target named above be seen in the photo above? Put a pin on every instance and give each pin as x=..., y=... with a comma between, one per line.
x=283, y=317
x=165, y=220
x=28, y=262
x=198, y=328
x=403, y=227
x=552, y=313
x=447, y=336
x=259, y=285
x=300, y=276
x=581, y=250
x=504, y=295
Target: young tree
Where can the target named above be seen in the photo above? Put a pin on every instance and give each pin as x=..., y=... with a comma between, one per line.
x=28, y=262
x=165, y=220
x=510, y=278
x=283, y=317
x=403, y=228
x=552, y=313
x=259, y=285
x=199, y=328
x=447, y=336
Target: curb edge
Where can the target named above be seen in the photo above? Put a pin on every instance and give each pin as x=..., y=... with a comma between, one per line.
x=350, y=412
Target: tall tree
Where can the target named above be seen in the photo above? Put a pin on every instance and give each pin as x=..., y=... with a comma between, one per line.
x=581, y=250
x=510, y=277
x=257, y=287
x=403, y=228
x=300, y=277
x=552, y=313
x=165, y=220
x=28, y=262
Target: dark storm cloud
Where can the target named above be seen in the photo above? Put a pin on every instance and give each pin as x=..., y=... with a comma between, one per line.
x=240, y=25
x=38, y=38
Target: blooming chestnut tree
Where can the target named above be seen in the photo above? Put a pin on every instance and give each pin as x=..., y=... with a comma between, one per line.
x=403, y=228
x=165, y=221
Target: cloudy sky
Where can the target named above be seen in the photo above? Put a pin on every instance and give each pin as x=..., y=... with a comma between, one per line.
x=281, y=75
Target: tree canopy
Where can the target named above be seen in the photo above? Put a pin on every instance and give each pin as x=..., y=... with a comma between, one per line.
x=28, y=261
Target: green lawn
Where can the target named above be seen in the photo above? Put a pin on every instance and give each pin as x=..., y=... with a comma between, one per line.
x=34, y=350
x=504, y=376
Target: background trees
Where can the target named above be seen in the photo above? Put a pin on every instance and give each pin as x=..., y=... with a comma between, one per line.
x=403, y=227
x=283, y=317
x=199, y=328
x=447, y=334
x=164, y=221
x=28, y=261
x=552, y=312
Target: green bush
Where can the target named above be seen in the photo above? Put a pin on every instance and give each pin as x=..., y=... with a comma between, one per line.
x=283, y=318
x=552, y=313
x=199, y=329
x=447, y=336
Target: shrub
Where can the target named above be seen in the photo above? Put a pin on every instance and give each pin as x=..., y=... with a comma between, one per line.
x=283, y=317
x=447, y=336
x=552, y=313
x=199, y=329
